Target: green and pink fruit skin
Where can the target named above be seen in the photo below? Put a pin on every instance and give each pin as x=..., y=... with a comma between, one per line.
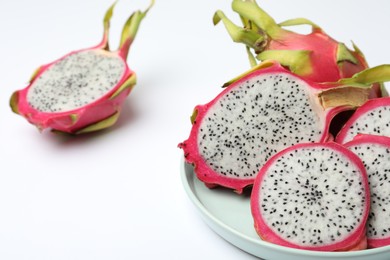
x=315, y=56
x=76, y=120
x=190, y=146
x=323, y=53
x=356, y=241
x=99, y=114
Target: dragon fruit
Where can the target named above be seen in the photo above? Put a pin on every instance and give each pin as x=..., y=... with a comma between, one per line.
x=312, y=196
x=314, y=56
x=374, y=151
x=83, y=91
x=260, y=113
x=370, y=118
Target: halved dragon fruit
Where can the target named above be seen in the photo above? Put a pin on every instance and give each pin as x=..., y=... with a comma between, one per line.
x=314, y=197
x=262, y=112
x=374, y=151
x=314, y=56
x=370, y=118
x=83, y=91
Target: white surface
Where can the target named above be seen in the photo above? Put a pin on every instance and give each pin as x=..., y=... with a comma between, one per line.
x=117, y=194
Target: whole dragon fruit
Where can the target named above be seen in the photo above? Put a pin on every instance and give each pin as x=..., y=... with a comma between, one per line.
x=314, y=197
x=83, y=91
x=260, y=113
x=314, y=56
x=374, y=151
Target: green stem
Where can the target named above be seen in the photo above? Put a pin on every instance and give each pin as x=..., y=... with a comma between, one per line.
x=106, y=23
x=251, y=11
x=130, y=30
x=240, y=35
x=300, y=21
x=367, y=77
x=251, y=57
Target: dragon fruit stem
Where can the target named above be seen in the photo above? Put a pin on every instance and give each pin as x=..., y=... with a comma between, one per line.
x=251, y=10
x=106, y=24
x=300, y=21
x=240, y=35
x=378, y=74
x=130, y=30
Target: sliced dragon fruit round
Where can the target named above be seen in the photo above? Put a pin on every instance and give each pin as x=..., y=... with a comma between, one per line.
x=375, y=154
x=314, y=197
x=260, y=113
x=315, y=56
x=370, y=118
x=84, y=90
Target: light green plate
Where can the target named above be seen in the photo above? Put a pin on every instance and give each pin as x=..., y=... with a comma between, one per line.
x=228, y=214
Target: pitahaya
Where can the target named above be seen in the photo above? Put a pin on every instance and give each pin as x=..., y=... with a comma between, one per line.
x=260, y=113
x=374, y=151
x=83, y=91
x=315, y=56
x=312, y=196
x=370, y=118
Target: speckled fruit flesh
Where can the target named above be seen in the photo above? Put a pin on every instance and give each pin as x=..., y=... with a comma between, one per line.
x=374, y=151
x=370, y=118
x=260, y=113
x=84, y=90
x=312, y=196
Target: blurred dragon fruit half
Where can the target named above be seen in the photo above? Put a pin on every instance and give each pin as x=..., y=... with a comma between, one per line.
x=84, y=90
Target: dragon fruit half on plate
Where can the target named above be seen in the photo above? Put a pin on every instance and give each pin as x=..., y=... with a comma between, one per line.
x=312, y=196
x=260, y=113
x=83, y=91
x=374, y=151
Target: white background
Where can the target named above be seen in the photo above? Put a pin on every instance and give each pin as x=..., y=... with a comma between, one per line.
x=117, y=194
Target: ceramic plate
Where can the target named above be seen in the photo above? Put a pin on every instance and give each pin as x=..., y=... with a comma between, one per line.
x=228, y=214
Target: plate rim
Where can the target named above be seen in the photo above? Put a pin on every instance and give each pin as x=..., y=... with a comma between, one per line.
x=185, y=178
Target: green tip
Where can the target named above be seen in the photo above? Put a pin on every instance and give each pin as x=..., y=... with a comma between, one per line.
x=300, y=21
x=241, y=35
x=251, y=10
x=217, y=17
x=367, y=77
x=130, y=30
x=105, y=123
x=260, y=66
x=14, y=102
x=251, y=57
x=298, y=61
x=193, y=116
x=106, y=25
x=128, y=84
x=344, y=54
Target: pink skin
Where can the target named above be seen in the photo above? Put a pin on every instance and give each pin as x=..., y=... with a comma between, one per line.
x=380, y=140
x=190, y=146
x=323, y=56
x=105, y=107
x=355, y=241
x=369, y=105
x=89, y=114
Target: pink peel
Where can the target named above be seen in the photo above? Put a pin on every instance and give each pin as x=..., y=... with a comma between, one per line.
x=314, y=56
x=191, y=148
x=370, y=148
x=356, y=239
x=100, y=113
